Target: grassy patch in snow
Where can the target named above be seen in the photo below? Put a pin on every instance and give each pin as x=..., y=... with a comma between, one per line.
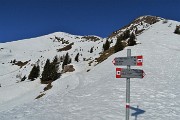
x=21, y=64
x=91, y=38
x=66, y=48
x=107, y=53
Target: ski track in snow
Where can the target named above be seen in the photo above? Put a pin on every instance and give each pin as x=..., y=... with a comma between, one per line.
x=97, y=95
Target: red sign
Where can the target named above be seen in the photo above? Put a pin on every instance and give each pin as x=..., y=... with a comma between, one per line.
x=139, y=60
x=118, y=72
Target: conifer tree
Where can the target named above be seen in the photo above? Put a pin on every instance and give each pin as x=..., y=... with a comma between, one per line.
x=119, y=45
x=132, y=40
x=106, y=45
x=61, y=59
x=23, y=79
x=45, y=73
x=77, y=58
x=55, y=60
x=91, y=50
x=34, y=72
x=126, y=34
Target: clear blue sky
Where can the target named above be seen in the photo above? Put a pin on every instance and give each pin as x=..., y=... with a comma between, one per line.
x=20, y=19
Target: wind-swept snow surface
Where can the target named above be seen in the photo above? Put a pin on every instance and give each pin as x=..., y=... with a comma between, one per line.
x=98, y=95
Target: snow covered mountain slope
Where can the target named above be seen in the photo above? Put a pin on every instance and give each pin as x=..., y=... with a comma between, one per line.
x=18, y=58
x=98, y=95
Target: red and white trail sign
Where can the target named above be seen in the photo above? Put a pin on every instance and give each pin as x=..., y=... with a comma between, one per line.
x=118, y=72
x=139, y=60
x=129, y=73
x=131, y=60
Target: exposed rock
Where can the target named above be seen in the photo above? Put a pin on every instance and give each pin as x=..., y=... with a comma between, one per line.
x=68, y=68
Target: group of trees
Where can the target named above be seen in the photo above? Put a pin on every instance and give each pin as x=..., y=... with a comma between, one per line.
x=50, y=71
x=126, y=36
x=131, y=40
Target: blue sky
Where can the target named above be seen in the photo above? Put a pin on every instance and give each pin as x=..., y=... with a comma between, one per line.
x=20, y=19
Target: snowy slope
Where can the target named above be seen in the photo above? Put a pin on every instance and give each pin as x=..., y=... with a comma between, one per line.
x=98, y=95
x=13, y=91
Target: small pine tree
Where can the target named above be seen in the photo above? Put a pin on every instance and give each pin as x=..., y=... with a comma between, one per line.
x=132, y=40
x=106, y=45
x=34, y=73
x=126, y=34
x=23, y=79
x=45, y=72
x=91, y=50
x=55, y=60
x=177, y=30
x=77, y=58
x=61, y=59
x=119, y=45
x=14, y=61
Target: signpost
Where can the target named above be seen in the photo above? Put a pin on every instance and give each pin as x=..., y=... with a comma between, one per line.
x=132, y=60
x=128, y=73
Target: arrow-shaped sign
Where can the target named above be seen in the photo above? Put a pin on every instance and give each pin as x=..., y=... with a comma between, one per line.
x=133, y=61
x=129, y=73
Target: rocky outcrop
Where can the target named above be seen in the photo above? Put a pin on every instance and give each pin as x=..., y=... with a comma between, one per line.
x=68, y=68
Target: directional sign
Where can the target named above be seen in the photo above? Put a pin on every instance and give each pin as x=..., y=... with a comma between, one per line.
x=129, y=73
x=132, y=60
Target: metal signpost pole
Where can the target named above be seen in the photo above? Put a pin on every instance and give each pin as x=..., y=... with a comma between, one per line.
x=128, y=89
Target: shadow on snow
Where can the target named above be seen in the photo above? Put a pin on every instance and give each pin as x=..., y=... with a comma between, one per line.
x=137, y=112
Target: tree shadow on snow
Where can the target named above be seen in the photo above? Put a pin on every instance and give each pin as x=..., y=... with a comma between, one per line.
x=137, y=112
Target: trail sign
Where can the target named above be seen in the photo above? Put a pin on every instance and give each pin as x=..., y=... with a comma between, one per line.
x=129, y=73
x=132, y=60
